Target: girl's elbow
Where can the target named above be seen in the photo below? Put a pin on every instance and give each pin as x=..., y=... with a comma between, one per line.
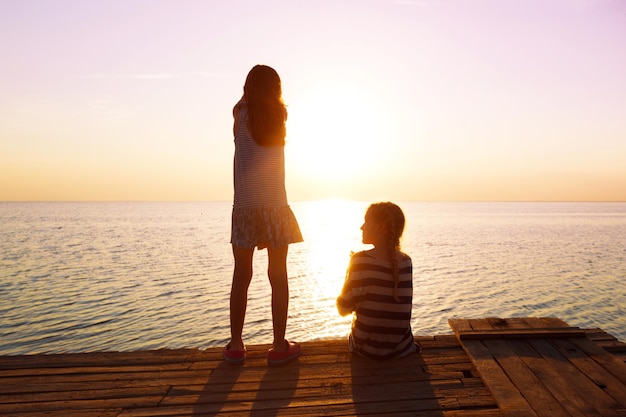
x=344, y=311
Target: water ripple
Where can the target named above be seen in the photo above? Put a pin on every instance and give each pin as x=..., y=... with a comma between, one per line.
x=78, y=277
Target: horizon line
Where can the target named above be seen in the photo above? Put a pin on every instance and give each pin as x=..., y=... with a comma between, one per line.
x=319, y=199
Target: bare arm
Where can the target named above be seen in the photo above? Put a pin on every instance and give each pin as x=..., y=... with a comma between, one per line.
x=236, y=112
x=345, y=303
x=344, y=311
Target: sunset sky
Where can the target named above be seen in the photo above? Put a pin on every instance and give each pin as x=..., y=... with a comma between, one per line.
x=425, y=100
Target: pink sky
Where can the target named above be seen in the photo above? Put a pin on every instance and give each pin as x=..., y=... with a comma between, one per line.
x=402, y=100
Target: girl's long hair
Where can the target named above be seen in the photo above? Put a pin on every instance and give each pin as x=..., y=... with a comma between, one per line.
x=390, y=215
x=267, y=113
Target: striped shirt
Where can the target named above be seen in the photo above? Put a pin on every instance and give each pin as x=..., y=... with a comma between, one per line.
x=259, y=171
x=381, y=327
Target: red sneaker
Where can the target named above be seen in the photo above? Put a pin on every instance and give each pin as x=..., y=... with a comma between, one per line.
x=278, y=358
x=234, y=356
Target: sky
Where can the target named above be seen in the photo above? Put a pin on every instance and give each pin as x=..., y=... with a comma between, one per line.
x=405, y=100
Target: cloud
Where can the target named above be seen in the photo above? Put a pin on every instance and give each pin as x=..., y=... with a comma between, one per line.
x=148, y=76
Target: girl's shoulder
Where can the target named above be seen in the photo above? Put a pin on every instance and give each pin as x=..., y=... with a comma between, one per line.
x=403, y=257
x=358, y=256
x=371, y=254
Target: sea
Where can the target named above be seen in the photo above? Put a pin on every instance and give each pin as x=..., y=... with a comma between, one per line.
x=123, y=276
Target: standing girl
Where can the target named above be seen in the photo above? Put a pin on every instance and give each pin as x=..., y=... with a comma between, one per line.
x=261, y=216
x=379, y=288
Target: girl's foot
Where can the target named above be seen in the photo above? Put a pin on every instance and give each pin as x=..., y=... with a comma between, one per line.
x=234, y=356
x=279, y=357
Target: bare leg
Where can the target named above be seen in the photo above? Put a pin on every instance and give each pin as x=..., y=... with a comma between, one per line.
x=277, y=273
x=239, y=294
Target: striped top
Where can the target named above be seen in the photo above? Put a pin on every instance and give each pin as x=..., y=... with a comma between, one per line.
x=381, y=327
x=259, y=171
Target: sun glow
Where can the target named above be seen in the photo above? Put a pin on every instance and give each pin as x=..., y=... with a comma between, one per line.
x=336, y=133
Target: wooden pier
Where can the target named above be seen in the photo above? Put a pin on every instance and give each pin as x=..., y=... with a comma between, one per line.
x=489, y=367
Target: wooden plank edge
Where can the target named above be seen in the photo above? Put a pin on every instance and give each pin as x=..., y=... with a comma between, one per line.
x=521, y=333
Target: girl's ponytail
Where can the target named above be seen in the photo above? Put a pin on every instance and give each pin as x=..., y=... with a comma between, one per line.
x=392, y=217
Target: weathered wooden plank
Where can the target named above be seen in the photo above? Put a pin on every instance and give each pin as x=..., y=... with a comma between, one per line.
x=472, y=413
x=594, y=371
x=532, y=388
x=509, y=399
x=510, y=322
x=319, y=385
x=553, y=380
x=540, y=323
x=439, y=357
x=560, y=387
x=459, y=325
x=91, y=412
x=341, y=410
x=610, y=363
x=484, y=323
x=38, y=371
x=148, y=357
x=554, y=322
x=440, y=342
x=60, y=386
x=521, y=333
x=227, y=374
x=97, y=378
x=598, y=336
x=116, y=403
x=593, y=395
x=295, y=390
x=84, y=394
x=304, y=408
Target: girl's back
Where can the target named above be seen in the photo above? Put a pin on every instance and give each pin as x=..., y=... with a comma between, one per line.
x=259, y=171
x=382, y=325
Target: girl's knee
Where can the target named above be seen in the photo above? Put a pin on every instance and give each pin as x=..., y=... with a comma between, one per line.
x=277, y=276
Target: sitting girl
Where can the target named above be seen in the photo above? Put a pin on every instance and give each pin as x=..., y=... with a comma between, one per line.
x=379, y=288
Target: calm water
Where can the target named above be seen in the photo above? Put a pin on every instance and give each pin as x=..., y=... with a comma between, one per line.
x=77, y=277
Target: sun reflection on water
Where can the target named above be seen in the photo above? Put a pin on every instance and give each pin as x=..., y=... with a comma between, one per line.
x=331, y=230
